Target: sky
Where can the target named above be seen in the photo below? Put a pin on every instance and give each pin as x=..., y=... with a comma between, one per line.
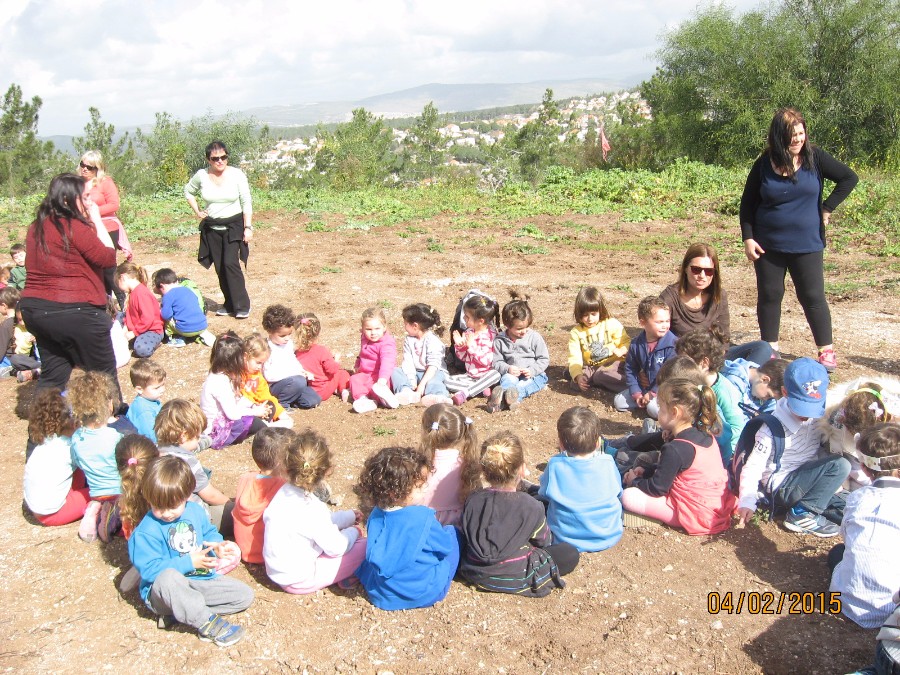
x=134, y=58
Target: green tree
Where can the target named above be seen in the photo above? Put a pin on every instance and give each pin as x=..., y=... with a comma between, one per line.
x=537, y=144
x=22, y=154
x=357, y=154
x=166, y=150
x=425, y=149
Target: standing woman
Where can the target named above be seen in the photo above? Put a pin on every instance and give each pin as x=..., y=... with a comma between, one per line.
x=226, y=225
x=100, y=189
x=783, y=221
x=64, y=301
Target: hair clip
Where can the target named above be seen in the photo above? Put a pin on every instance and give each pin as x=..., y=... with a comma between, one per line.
x=132, y=461
x=873, y=406
x=305, y=465
x=304, y=321
x=435, y=426
x=700, y=388
x=468, y=421
x=867, y=390
x=873, y=463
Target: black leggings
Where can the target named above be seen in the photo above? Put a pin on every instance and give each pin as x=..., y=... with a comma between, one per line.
x=808, y=274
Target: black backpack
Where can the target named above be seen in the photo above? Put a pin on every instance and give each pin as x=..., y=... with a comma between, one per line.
x=745, y=446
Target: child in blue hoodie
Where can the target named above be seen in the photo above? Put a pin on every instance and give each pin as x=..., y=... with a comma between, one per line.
x=410, y=558
x=582, y=485
x=181, y=557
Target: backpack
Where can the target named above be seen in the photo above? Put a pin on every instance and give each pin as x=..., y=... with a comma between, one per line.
x=454, y=363
x=195, y=289
x=745, y=446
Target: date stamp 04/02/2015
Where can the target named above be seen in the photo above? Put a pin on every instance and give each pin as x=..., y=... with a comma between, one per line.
x=768, y=602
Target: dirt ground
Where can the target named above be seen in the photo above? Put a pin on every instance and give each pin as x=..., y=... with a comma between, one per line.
x=640, y=607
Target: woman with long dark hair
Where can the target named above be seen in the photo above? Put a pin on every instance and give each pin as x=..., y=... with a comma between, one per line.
x=783, y=221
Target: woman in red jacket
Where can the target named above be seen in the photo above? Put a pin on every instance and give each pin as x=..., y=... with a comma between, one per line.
x=64, y=301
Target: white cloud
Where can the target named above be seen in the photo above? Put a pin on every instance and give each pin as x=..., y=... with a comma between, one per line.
x=132, y=59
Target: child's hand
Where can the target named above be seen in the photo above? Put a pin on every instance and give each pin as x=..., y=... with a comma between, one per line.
x=457, y=337
x=621, y=351
x=470, y=340
x=261, y=410
x=202, y=561
x=583, y=382
x=515, y=371
x=358, y=515
x=525, y=373
x=743, y=516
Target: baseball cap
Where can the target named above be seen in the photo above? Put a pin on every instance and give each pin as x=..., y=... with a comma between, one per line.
x=805, y=381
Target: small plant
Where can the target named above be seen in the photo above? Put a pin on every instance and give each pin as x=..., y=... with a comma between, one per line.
x=331, y=270
x=415, y=229
x=625, y=288
x=549, y=328
x=434, y=245
x=385, y=304
x=379, y=430
x=316, y=226
x=529, y=249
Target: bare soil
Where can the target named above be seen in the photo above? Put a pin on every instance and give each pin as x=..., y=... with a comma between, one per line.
x=640, y=607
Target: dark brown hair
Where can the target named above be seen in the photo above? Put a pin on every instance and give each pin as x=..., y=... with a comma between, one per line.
x=701, y=251
x=389, y=477
x=517, y=309
x=781, y=131
x=700, y=344
x=589, y=299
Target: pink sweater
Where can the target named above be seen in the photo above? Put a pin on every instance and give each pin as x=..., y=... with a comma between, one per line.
x=480, y=358
x=441, y=491
x=377, y=359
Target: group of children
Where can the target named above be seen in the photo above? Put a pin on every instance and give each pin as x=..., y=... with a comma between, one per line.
x=730, y=435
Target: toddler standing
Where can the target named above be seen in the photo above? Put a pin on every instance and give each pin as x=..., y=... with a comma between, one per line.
x=142, y=317
x=149, y=381
x=598, y=344
x=374, y=365
x=325, y=375
x=520, y=356
x=475, y=348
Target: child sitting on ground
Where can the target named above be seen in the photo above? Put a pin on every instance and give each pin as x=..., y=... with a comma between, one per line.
x=25, y=359
x=256, y=489
x=648, y=351
x=94, y=452
x=475, y=348
x=230, y=416
x=325, y=375
x=177, y=552
x=370, y=384
x=410, y=557
x=133, y=455
x=149, y=381
x=142, y=317
x=805, y=480
x=181, y=310
x=179, y=425
x=520, y=356
x=598, y=344
x=688, y=487
x=18, y=273
x=582, y=486
x=508, y=542
x=307, y=546
x=422, y=371
x=758, y=386
x=254, y=386
x=55, y=491
x=9, y=298
x=864, y=568
x=287, y=379
x=450, y=443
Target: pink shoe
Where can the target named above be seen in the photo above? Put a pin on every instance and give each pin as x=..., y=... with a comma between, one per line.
x=434, y=399
x=459, y=398
x=828, y=359
x=87, y=531
x=408, y=397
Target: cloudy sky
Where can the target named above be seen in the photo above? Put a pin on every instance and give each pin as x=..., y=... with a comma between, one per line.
x=132, y=58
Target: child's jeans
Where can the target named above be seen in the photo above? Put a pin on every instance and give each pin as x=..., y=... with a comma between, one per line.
x=623, y=402
x=526, y=386
x=435, y=386
x=294, y=391
x=192, y=600
x=813, y=486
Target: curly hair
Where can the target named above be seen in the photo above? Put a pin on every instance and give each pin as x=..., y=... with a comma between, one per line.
x=502, y=458
x=133, y=453
x=168, y=482
x=269, y=447
x=700, y=344
x=578, y=429
x=649, y=306
x=588, y=300
x=307, y=460
x=306, y=330
x=389, y=477
x=179, y=418
x=697, y=400
x=277, y=316
x=517, y=309
x=90, y=396
x=444, y=427
x=256, y=347
x=49, y=416
x=425, y=316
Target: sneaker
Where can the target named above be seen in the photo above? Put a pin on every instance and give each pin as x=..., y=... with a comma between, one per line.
x=408, y=397
x=434, y=399
x=459, y=398
x=322, y=491
x=243, y=314
x=511, y=398
x=207, y=338
x=345, y=395
x=129, y=580
x=364, y=405
x=649, y=426
x=87, y=531
x=805, y=522
x=165, y=621
x=5, y=370
x=110, y=524
x=25, y=376
x=384, y=392
x=177, y=342
x=222, y=311
x=828, y=359
x=349, y=583
x=205, y=443
x=218, y=630
x=495, y=400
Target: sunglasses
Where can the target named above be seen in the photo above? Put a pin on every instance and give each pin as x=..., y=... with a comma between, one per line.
x=707, y=271
x=87, y=166
x=219, y=158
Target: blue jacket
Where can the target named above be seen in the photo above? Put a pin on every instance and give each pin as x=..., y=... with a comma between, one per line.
x=156, y=546
x=410, y=558
x=142, y=414
x=584, y=500
x=640, y=359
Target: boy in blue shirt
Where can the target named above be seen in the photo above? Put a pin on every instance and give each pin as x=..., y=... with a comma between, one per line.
x=181, y=310
x=149, y=381
x=177, y=552
x=582, y=485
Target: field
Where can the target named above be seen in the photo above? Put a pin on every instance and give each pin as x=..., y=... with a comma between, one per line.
x=640, y=607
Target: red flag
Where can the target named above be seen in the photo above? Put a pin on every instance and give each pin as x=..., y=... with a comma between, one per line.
x=604, y=142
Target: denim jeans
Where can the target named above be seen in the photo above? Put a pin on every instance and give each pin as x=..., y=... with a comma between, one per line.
x=435, y=386
x=527, y=387
x=813, y=485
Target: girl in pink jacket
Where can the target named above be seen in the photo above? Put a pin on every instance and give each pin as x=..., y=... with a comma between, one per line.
x=370, y=385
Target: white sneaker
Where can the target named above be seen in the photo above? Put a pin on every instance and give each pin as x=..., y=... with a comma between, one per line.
x=408, y=397
x=364, y=405
x=384, y=392
x=207, y=338
x=434, y=399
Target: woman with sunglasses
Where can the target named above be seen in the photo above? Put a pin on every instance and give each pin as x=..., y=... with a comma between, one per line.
x=100, y=189
x=783, y=220
x=698, y=300
x=226, y=225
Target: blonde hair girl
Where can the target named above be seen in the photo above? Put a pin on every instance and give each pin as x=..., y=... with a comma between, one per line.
x=370, y=384
x=143, y=322
x=133, y=455
x=689, y=487
x=328, y=378
x=307, y=547
x=254, y=386
x=450, y=443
